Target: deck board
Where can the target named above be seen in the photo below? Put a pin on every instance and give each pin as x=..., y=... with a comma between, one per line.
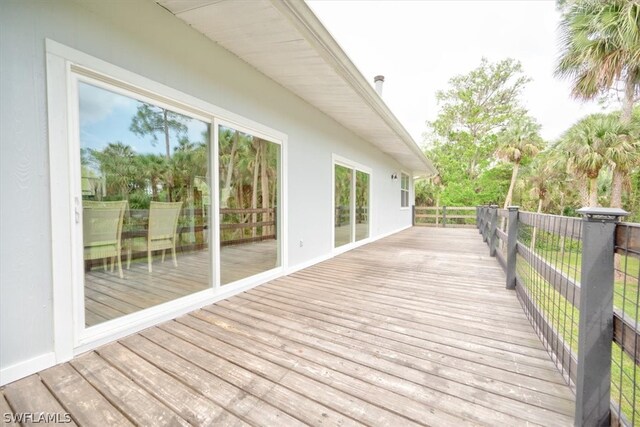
x=413, y=329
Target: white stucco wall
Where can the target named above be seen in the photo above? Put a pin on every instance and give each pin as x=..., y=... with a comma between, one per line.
x=144, y=38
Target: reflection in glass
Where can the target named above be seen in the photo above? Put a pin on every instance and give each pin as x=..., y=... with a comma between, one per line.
x=145, y=197
x=342, y=204
x=362, y=205
x=249, y=199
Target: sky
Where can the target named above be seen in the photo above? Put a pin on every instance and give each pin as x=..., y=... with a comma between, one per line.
x=105, y=118
x=419, y=45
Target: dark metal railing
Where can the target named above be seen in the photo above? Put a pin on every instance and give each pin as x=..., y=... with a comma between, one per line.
x=577, y=280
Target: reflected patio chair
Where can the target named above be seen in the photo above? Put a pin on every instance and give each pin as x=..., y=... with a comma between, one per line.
x=102, y=231
x=161, y=232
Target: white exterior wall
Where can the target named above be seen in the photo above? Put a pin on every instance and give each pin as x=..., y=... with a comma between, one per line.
x=143, y=38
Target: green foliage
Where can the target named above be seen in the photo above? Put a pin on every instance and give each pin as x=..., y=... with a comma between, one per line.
x=478, y=111
x=475, y=108
x=600, y=46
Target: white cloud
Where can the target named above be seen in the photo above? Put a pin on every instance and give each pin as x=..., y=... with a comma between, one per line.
x=97, y=104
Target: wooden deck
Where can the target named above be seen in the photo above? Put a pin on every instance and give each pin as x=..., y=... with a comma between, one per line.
x=414, y=329
x=107, y=296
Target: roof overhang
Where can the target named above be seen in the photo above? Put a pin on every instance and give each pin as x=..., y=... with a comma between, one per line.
x=284, y=40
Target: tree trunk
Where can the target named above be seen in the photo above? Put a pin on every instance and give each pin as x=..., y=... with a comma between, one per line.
x=167, y=141
x=593, y=192
x=167, y=144
x=584, y=191
x=616, y=188
x=226, y=191
x=264, y=180
x=514, y=176
x=628, y=100
x=254, y=189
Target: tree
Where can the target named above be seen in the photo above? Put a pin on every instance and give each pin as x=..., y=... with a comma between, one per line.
x=476, y=107
x=154, y=168
x=521, y=138
x=117, y=163
x=587, y=146
x=153, y=120
x=624, y=154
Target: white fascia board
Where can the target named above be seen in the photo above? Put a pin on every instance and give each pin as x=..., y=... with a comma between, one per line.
x=306, y=22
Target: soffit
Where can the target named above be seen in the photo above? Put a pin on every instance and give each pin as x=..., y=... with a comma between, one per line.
x=285, y=41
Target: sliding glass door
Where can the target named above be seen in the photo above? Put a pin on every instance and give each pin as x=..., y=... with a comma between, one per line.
x=145, y=202
x=249, y=174
x=351, y=204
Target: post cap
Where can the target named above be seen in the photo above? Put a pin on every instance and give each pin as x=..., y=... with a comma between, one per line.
x=602, y=214
x=513, y=208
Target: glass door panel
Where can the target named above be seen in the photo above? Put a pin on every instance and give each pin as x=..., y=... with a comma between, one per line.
x=362, y=205
x=342, y=205
x=146, y=204
x=249, y=201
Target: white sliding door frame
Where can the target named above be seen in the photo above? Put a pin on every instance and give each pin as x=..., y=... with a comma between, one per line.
x=65, y=67
x=355, y=167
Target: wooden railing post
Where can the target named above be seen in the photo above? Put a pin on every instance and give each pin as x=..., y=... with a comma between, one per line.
x=478, y=216
x=493, y=236
x=593, y=381
x=413, y=215
x=444, y=216
x=512, y=240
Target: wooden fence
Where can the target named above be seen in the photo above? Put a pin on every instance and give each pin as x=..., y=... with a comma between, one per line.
x=444, y=216
x=578, y=281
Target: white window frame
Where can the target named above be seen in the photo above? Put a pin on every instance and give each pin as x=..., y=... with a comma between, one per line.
x=65, y=67
x=354, y=166
x=408, y=190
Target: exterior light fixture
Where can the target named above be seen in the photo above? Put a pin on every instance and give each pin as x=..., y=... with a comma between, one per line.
x=394, y=176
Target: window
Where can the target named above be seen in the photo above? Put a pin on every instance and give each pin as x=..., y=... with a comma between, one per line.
x=404, y=190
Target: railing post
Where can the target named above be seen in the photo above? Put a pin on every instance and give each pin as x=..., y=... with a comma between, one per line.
x=485, y=226
x=512, y=243
x=593, y=382
x=413, y=215
x=444, y=216
x=477, y=216
x=493, y=236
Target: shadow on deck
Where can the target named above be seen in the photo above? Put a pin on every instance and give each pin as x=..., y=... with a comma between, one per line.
x=416, y=328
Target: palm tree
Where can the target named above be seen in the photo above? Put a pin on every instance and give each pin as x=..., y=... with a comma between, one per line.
x=600, y=49
x=518, y=140
x=624, y=154
x=586, y=145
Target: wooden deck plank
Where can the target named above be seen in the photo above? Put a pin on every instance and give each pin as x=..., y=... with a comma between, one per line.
x=341, y=372
x=413, y=329
x=471, y=388
x=267, y=387
x=327, y=327
x=405, y=332
x=233, y=398
x=188, y=404
x=79, y=398
x=261, y=364
x=6, y=412
x=30, y=396
x=139, y=405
